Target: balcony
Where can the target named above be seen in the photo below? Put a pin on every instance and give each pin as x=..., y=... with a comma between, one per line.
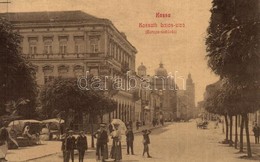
x=50, y=56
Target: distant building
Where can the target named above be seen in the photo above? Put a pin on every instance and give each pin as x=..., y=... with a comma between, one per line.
x=186, y=101
x=149, y=100
x=141, y=70
x=164, y=85
x=68, y=43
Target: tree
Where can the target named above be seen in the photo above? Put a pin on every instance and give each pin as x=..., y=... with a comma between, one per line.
x=17, y=75
x=105, y=105
x=214, y=105
x=64, y=95
x=233, y=52
x=244, y=100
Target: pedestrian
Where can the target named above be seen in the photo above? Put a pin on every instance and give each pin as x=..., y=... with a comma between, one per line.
x=101, y=146
x=4, y=136
x=131, y=123
x=45, y=133
x=162, y=121
x=63, y=145
x=82, y=145
x=154, y=122
x=146, y=142
x=26, y=132
x=111, y=128
x=256, y=131
x=116, y=151
x=137, y=125
x=130, y=140
x=70, y=146
x=216, y=124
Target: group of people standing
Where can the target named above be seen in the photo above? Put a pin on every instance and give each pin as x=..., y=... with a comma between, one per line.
x=102, y=139
x=116, y=150
x=70, y=143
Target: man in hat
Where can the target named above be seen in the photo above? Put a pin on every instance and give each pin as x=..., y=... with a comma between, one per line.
x=146, y=142
x=70, y=146
x=63, y=144
x=130, y=140
x=137, y=125
x=82, y=145
x=102, y=140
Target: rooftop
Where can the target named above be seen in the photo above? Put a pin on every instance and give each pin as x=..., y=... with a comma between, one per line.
x=47, y=16
x=51, y=17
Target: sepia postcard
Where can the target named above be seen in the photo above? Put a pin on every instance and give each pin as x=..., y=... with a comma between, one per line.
x=129, y=81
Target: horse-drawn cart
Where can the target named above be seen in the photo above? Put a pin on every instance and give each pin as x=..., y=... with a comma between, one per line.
x=202, y=124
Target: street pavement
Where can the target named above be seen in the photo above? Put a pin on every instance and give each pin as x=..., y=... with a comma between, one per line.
x=177, y=142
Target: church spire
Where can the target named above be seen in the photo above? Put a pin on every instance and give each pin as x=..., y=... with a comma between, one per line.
x=189, y=79
x=161, y=65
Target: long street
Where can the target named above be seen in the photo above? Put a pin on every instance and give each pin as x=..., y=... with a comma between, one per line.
x=179, y=142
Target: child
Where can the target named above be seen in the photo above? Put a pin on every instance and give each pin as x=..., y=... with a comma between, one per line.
x=146, y=142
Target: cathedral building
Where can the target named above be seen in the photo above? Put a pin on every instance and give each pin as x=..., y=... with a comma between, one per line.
x=164, y=85
x=162, y=100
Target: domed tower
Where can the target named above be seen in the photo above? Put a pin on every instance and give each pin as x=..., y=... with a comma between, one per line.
x=163, y=85
x=161, y=71
x=160, y=78
x=141, y=70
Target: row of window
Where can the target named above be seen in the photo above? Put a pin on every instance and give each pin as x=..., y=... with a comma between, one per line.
x=118, y=53
x=63, y=46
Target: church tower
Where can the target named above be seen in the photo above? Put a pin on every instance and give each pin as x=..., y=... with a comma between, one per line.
x=190, y=92
x=141, y=70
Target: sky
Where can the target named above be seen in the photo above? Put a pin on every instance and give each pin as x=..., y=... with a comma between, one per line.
x=181, y=53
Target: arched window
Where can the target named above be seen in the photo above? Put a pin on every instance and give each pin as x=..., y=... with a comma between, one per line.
x=78, y=70
x=63, y=70
x=48, y=73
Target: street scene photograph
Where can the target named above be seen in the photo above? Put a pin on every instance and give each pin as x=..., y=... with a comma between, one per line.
x=129, y=81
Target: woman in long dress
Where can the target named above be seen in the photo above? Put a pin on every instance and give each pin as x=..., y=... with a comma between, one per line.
x=116, y=151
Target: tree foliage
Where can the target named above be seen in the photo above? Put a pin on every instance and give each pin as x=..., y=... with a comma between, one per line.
x=233, y=41
x=211, y=95
x=233, y=53
x=223, y=98
x=17, y=75
x=63, y=94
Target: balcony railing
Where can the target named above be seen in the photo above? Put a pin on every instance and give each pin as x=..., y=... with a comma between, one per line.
x=64, y=55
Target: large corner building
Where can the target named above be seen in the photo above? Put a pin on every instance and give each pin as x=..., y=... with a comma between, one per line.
x=68, y=43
